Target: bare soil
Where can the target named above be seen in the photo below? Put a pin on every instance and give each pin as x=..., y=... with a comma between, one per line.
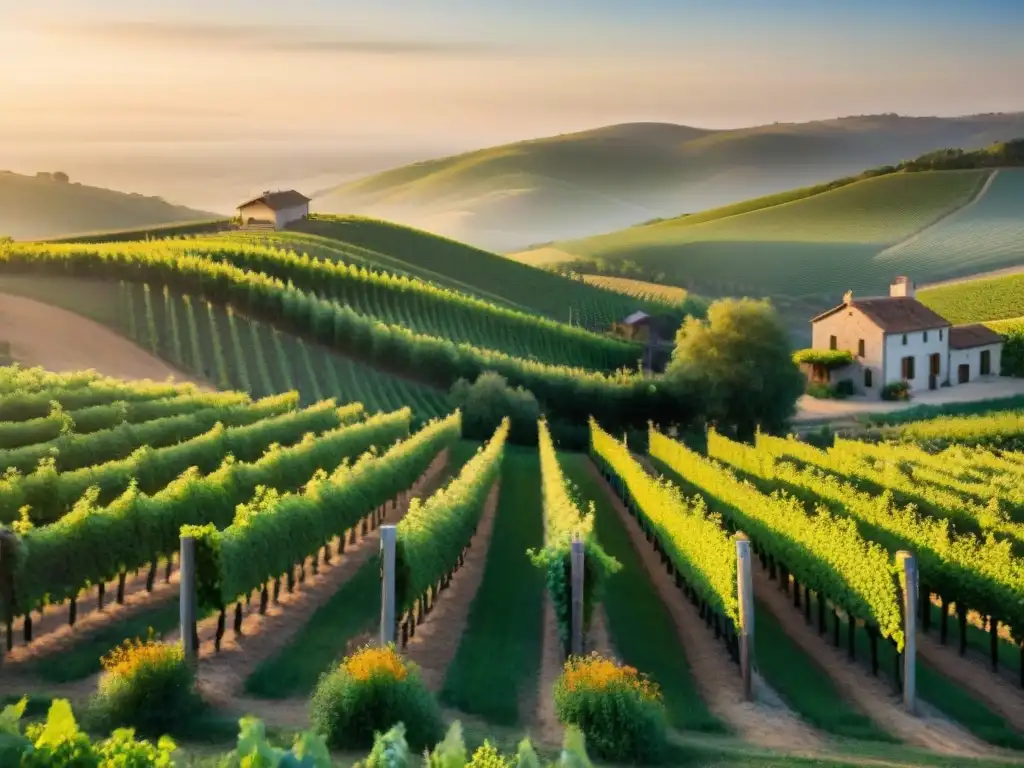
x=59, y=340
x=872, y=696
x=766, y=722
x=598, y=639
x=51, y=632
x=436, y=641
x=537, y=707
x=975, y=675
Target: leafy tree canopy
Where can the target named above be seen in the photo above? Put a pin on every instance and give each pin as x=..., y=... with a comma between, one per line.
x=488, y=400
x=740, y=360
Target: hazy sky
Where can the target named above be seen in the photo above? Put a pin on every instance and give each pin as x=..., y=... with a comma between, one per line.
x=482, y=71
x=204, y=101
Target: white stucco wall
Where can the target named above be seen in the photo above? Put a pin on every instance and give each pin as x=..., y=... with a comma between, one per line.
x=849, y=326
x=263, y=212
x=288, y=215
x=921, y=351
x=972, y=357
x=258, y=211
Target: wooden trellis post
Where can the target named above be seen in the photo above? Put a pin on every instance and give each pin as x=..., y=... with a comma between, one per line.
x=187, y=591
x=745, y=594
x=577, y=595
x=387, y=596
x=908, y=579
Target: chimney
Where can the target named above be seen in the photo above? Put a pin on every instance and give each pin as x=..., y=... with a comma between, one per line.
x=902, y=286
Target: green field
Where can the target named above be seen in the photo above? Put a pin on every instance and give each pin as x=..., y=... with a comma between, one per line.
x=973, y=301
x=985, y=236
x=818, y=245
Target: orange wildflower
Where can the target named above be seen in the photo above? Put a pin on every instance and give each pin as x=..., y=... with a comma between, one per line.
x=128, y=657
x=596, y=673
x=370, y=662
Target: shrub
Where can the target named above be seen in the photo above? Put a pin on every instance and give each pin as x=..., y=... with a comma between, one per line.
x=308, y=751
x=60, y=742
x=619, y=711
x=369, y=692
x=896, y=390
x=148, y=685
x=490, y=399
x=820, y=391
x=826, y=358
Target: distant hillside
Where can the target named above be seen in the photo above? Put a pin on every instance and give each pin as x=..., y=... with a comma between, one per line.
x=506, y=198
x=944, y=215
x=50, y=205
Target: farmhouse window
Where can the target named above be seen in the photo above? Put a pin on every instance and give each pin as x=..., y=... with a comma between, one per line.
x=904, y=339
x=908, y=368
x=833, y=343
x=926, y=336
x=867, y=378
x=940, y=334
x=860, y=347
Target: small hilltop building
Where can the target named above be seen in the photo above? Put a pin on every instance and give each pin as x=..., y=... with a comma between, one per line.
x=896, y=338
x=274, y=210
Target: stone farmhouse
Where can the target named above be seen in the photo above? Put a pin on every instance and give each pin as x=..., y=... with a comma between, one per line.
x=897, y=338
x=274, y=210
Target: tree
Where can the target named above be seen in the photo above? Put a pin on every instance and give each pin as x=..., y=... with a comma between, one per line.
x=60, y=176
x=485, y=402
x=741, y=362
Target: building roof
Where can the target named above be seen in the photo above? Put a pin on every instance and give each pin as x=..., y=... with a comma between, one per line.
x=894, y=314
x=967, y=336
x=277, y=201
x=636, y=317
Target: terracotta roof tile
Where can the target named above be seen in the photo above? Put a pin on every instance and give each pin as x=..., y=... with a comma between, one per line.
x=894, y=314
x=967, y=336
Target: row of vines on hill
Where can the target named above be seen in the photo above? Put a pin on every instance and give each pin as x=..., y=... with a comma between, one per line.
x=258, y=358
x=691, y=541
x=981, y=574
x=564, y=521
x=432, y=538
x=570, y=393
x=426, y=308
x=93, y=544
x=824, y=552
x=273, y=533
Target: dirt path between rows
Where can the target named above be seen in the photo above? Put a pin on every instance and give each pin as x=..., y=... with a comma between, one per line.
x=598, y=640
x=765, y=722
x=59, y=340
x=51, y=632
x=871, y=695
x=975, y=675
x=436, y=641
x=538, y=705
x=222, y=675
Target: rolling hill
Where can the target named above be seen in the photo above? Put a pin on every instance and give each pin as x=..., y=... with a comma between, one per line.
x=818, y=245
x=506, y=198
x=36, y=207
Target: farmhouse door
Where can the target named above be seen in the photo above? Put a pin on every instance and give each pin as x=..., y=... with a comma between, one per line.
x=964, y=373
x=934, y=367
x=986, y=362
